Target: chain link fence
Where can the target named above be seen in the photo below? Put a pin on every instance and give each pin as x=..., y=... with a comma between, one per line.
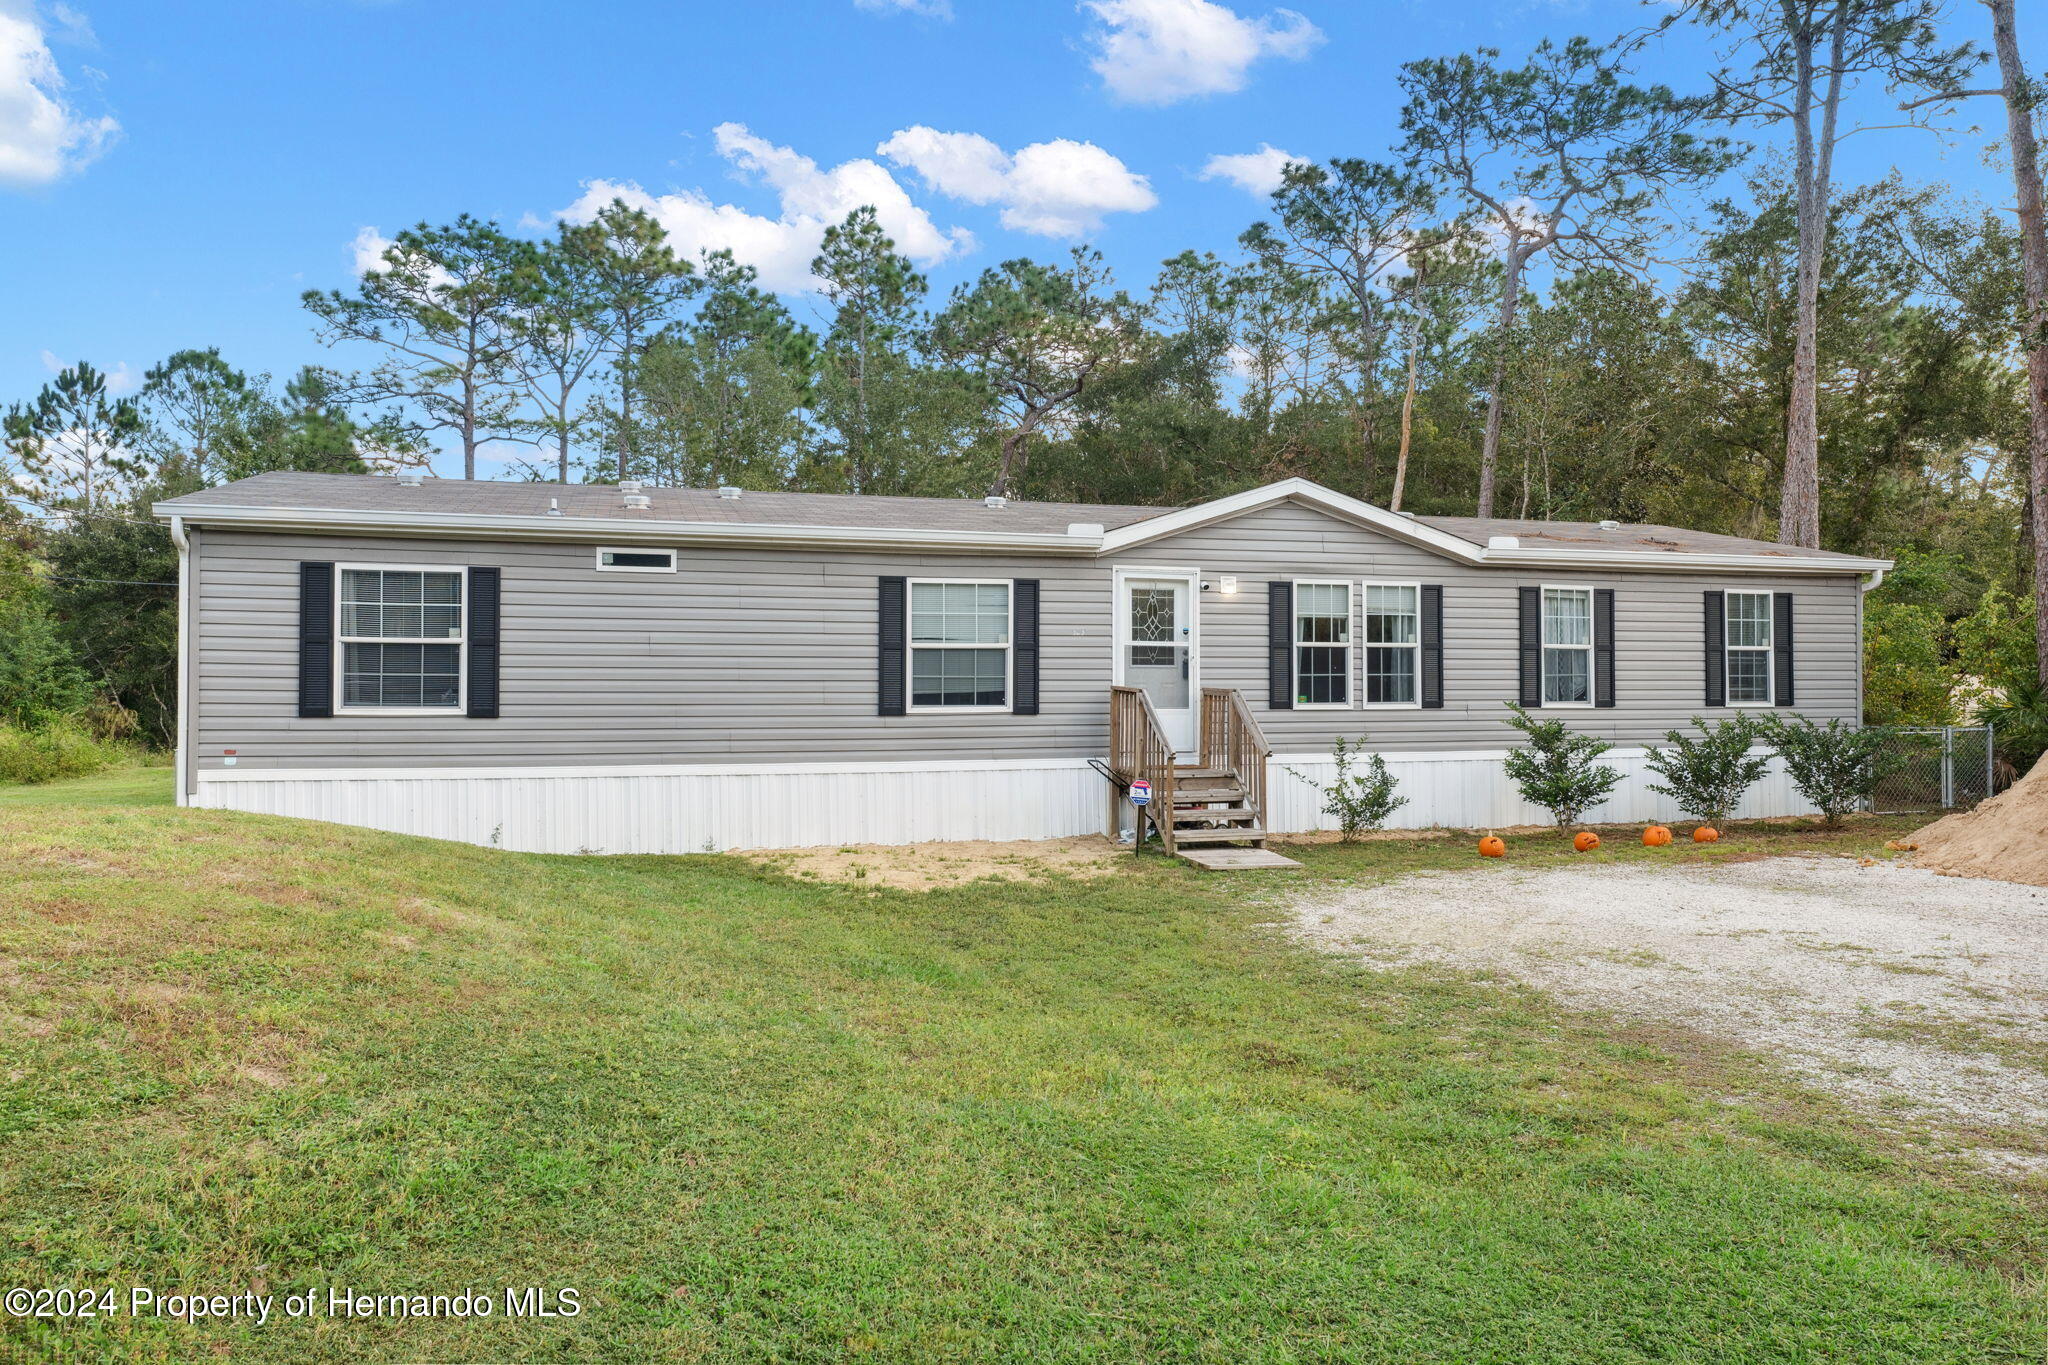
x=1941, y=767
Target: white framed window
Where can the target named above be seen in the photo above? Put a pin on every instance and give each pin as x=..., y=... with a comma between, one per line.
x=959, y=637
x=402, y=644
x=1393, y=644
x=1747, y=631
x=1322, y=643
x=1567, y=646
x=634, y=559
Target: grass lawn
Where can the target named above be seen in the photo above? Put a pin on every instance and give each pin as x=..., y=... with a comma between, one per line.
x=751, y=1118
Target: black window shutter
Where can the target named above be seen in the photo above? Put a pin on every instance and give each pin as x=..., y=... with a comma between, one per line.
x=1603, y=646
x=316, y=639
x=1432, y=646
x=484, y=592
x=1024, y=647
x=1781, y=646
x=1717, y=649
x=889, y=635
x=1280, y=645
x=1532, y=647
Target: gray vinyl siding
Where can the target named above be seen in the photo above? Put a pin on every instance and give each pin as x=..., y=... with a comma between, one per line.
x=762, y=655
x=1659, y=665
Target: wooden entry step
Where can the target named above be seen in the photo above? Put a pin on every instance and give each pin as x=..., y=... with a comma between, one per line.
x=1233, y=859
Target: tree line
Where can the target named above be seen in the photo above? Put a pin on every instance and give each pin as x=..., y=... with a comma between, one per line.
x=1524, y=309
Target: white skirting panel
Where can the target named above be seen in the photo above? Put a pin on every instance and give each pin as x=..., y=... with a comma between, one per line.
x=1468, y=790
x=684, y=810
x=707, y=809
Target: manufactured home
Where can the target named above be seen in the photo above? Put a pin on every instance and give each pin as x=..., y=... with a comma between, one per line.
x=619, y=669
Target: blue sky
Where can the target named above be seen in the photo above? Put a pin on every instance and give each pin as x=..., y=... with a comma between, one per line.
x=175, y=174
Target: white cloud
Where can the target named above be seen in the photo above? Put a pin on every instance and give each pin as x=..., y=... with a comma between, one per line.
x=781, y=248
x=42, y=134
x=1162, y=51
x=368, y=249
x=931, y=9
x=51, y=362
x=1055, y=189
x=1256, y=173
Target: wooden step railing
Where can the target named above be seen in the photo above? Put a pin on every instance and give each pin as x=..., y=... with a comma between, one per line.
x=1233, y=742
x=1138, y=747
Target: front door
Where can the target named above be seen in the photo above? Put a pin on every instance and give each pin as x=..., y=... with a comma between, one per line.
x=1156, y=649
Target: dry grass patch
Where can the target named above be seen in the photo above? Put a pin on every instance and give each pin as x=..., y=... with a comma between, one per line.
x=938, y=866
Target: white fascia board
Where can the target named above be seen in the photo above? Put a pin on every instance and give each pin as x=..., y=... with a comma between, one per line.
x=1465, y=551
x=1328, y=499
x=1682, y=560
x=608, y=529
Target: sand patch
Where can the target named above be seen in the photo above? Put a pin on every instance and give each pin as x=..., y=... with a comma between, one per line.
x=2004, y=838
x=937, y=866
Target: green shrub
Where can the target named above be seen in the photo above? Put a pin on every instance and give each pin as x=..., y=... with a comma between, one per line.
x=1556, y=768
x=1994, y=647
x=1906, y=679
x=1707, y=776
x=1358, y=801
x=2018, y=718
x=1836, y=766
x=56, y=751
x=40, y=682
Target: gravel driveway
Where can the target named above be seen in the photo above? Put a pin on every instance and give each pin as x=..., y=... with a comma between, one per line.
x=1894, y=987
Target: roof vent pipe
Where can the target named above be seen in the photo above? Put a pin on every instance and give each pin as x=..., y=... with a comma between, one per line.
x=638, y=502
x=729, y=492
x=995, y=500
x=554, y=507
x=411, y=478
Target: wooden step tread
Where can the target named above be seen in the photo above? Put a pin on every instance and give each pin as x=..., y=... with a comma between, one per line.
x=1197, y=774
x=1230, y=859
x=1235, y=834
x=1183, y=796
x=1235, y=817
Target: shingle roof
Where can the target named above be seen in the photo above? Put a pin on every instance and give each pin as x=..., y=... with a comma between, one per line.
x=1586, y=535
x=344, y=493
x=370, y=493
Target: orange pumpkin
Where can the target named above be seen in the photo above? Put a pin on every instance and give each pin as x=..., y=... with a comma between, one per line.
x=1492, y=846
x=1705, y=834
x=1586, y=841
x=1656, y=836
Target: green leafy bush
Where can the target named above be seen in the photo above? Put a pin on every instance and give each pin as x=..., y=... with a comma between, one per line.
x=1836, y=766
x=55, y=751
x=1556, y=768
x=40, y=682
x=1358, y=801
x=1906, y=678
x=1994, y=644
x=1707, y=776
x=2018, y=718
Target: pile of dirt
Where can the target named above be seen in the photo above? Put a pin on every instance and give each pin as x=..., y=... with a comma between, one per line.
x=2005, y=837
